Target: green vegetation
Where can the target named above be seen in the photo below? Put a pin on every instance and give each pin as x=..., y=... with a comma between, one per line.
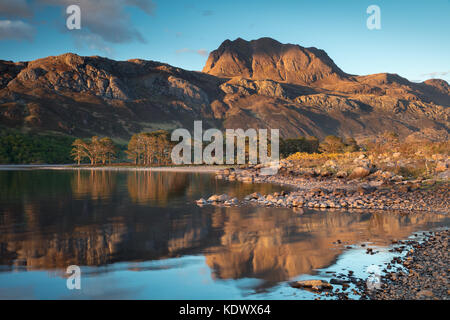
x=409, y=158
x=301, y=144
x=20, y=148
x=333, y=144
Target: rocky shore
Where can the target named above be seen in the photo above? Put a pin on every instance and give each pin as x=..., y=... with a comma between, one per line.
x=419, y=271
x=425, y=271
x=376, y=191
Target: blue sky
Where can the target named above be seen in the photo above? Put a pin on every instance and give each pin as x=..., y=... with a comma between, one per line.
x=413, y=40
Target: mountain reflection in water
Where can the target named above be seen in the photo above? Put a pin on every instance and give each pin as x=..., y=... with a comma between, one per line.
x=52, y=219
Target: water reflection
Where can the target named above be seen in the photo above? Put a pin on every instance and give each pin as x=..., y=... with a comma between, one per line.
x=49, y=220
x=95, y=184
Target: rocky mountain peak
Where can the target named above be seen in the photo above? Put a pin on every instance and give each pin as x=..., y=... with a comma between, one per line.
x=268, y=59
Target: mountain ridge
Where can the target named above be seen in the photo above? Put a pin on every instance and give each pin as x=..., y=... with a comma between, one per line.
x=306, y=94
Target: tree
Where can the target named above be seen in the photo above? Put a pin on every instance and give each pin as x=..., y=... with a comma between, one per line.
x=351, y=145
x=135, y=149
x=149, y=147
x=332, y=144
x=79, y=150
x=108, y=150
x=97, y=150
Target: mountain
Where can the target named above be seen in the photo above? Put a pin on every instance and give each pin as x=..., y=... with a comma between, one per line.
x=260, y=83
x=266, y=58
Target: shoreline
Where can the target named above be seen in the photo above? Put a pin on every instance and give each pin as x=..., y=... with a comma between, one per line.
x=193, y=169
x=422, y=273
x=419, y=271
x=333, y=193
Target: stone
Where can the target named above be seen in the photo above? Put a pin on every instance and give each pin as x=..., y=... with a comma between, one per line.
x=425, y=293
x=223, y=197
x=317, y=285
x=255, y=195
x=338, y=281
x=218, y=198
x=359, y=172
x=366, y=189
x=442, y=166
x=444, y=175
x=387, y=174
x=341, y=174
x=213, y=198
x=201, y=201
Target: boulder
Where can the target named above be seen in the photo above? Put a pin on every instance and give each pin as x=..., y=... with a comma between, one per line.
x=359, y=172
x=232, y=201
x=442, y=166
x=218, y=198
x=387, y=174
x=223, y=197
x=201, y=201
x=341, y=174
x=317, y=285
x=213, y=198
x=366, y=189
x=254, y=195
x=246, y=179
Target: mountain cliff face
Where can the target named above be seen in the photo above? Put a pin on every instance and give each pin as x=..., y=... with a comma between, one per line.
x=268, y=59
x=260, y=84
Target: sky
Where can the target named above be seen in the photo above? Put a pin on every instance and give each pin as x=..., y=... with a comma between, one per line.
x=413, y=41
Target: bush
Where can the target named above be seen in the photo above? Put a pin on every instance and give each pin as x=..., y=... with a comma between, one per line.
x=19, y=148
x=332, y=144
x=301, y=144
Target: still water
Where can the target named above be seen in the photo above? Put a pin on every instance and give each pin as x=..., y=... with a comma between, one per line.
x=140, y=235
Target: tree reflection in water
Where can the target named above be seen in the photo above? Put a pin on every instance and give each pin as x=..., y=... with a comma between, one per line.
x=49, y=220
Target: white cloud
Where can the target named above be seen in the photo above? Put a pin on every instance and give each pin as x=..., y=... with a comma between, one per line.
x=436, y=74
x=93, y=42
x=15, y=30
x=108, y=19
x=105, y=20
